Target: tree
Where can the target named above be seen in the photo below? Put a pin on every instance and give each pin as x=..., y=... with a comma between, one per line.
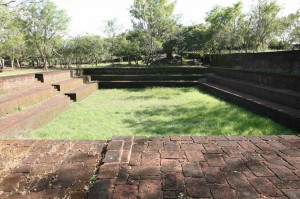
x=289, y=28
x=224, y=23
x=155, y=19
x=44, y=26
x=264, y=17
x=112, y=30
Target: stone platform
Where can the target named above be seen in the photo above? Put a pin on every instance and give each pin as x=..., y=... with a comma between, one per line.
x=156, y=167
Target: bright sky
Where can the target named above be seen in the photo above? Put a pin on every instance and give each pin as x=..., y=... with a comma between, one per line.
x=89, y=16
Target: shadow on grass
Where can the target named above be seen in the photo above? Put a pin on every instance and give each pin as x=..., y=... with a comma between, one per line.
x=202, y=119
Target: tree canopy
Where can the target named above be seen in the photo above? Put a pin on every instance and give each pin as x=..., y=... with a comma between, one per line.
x=35, y=33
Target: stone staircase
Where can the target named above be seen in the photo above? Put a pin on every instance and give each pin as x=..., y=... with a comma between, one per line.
x=146, y=77
x=271, y=95
x=31, y=100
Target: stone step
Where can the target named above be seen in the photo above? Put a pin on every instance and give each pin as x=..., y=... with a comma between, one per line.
x=9, y=84
x=68, y=84
x=13, y=102
x=53, y=76
x=145, y=71
x=284, y=97
x=282, y=114
x=290, y=82
x=144, y=84
x=36, y=116
x=82, y=91
x=157, y=77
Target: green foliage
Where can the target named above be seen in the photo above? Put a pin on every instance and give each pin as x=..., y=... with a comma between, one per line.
x=154, y=112
x=155, y=19
x=44, y=26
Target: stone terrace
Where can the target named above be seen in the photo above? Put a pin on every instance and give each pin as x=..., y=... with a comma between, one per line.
x=156, y=167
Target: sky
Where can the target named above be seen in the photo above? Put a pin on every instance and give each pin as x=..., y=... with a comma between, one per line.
x=89, y=16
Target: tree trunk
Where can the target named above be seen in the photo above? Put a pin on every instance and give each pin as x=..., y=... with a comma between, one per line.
x=45, y=63
x=129, y=60
x=181, y=58
x=12, y=62
x=18, y=63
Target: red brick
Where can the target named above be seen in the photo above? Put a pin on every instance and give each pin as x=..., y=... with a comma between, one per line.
x=197, y=188
x=115, y=145
x=252, y=157
x=194, y=156
x=171, y=194
x=150, y=189
x=241, y=185
x=155, y=145
x=295, y=161
x=215, y=160
x=109, y=171
x=127, y=145
x=151, y=158
x=222, y=192
x=265, y=147
x=277, y=145
x=145, y=171
x=138, y=148
x=291, y=152
x=212, y=148
x=191, y=147
x=232, y=151
x=125, y=157
x=126, y=191
x=170, y=166
x=10, y=182
x=214, y=175
x=172, y=155
x=123, y=138
x=171, y=146
x=173, y=182
x=292, y=193
x=284, y=173
x=123, y=174
x=259, y=169
x=274, y=159
x=101, y=189
x=280, y=184
x=235, y=164
x=227, y=143
x=265, y=187
x=200, y=139
x=217, y=138
x=112, y=157
x=180, y=138
x=192, y=170
x=236, y=138
x=135, y=159
x=248, y=146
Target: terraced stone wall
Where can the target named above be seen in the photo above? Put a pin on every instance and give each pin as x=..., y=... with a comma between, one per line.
x=284, y=61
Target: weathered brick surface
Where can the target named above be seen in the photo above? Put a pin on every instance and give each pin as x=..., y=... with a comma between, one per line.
x=156, y=167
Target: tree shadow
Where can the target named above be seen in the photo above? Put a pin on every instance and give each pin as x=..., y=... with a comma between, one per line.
x=201, y=119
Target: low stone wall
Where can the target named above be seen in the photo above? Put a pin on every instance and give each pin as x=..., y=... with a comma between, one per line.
x=145, y=70
x=284, y=61
x=267, y=79
x=17, y=82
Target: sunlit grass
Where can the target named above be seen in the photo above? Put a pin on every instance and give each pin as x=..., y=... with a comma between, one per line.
x=154, y=112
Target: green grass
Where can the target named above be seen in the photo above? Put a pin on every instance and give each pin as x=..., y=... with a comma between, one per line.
x=154, y=112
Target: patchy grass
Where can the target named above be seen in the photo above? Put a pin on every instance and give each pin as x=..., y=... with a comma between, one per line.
x=154, y=112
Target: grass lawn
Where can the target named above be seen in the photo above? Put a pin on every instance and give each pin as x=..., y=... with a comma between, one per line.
x=154, y=112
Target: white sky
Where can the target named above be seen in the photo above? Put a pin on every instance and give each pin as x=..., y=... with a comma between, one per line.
x=89, y=16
